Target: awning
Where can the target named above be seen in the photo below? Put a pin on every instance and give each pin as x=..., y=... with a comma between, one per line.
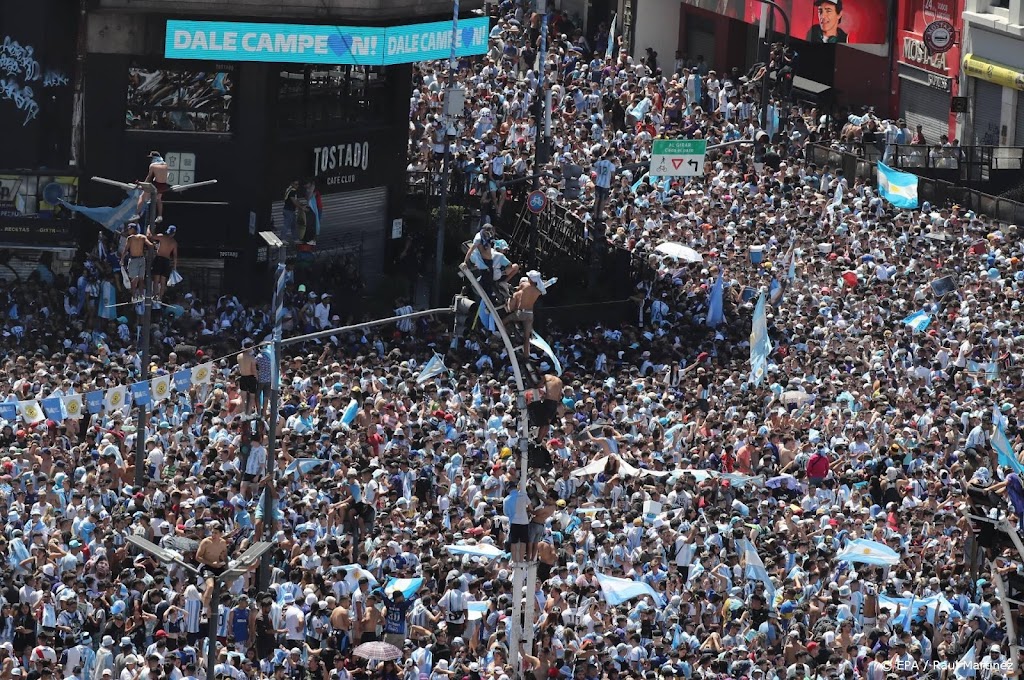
x=810, y=86
x=983, y=69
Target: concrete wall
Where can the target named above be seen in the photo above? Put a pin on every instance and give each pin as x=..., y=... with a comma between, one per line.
x=371, y=11
x=657, y=26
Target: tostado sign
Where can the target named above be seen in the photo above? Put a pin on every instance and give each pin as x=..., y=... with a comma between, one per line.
x=340, y=164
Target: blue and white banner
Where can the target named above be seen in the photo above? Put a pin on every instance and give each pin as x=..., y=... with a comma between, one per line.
x=541, y=344
x=484, y=550
x=54, y=408
x=351, y=411
x=408, y=586
x=899, y=188
x=760, y=344
x=864, y=551
x=9, y=411
x=618, y=590
x=324, y=44
x=1005, y=453
x=716, y=310
x=301, y=466
x=94, y=401
x=140, y=394
x=918, y=321
x=183, y=380
x=113, y=218
x=433, y=368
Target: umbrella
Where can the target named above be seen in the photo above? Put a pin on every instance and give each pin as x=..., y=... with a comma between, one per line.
x=377, y=651
x=679, y=251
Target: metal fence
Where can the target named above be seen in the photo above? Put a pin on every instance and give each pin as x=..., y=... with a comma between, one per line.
x=936, y=191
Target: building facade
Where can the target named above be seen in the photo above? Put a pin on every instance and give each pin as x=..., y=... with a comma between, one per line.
x=928, y=80
x=275, y=111
x=992, y=74
x=724, y=34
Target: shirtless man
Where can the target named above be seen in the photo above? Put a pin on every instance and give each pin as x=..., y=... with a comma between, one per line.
x=165, y=261
x=546, y=556
x=547, y=400
x=248, y=381
x=213, y=554
x=538, y=519
x=158, y=178
x=135, y=250
x=531, y=287
x=341, y=623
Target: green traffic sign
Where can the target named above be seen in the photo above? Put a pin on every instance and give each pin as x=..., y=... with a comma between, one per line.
x=680, y=147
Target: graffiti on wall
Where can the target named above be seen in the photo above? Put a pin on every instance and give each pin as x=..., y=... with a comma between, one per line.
x=19, y=68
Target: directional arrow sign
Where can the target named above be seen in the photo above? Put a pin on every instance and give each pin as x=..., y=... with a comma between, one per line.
x=678, y=157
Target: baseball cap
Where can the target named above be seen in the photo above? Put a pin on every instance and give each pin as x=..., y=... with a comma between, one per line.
x=837, y=3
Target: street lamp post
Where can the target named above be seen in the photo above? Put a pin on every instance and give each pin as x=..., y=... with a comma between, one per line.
x=147, y=312
x=542, y=138
x=236, y=568
x=524, y=573
x=263, y=577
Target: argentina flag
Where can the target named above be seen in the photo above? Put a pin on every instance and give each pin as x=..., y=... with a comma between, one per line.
x=899, y=188
x=918, y=321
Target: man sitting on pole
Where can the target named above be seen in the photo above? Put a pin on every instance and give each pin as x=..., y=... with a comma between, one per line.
x=158, y=170
x=213, y=554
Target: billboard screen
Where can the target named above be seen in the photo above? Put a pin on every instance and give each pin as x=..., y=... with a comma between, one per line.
x=862, y=22
x=329, y=45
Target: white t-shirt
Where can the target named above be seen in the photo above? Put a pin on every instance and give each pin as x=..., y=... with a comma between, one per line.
x=604, y=169
x=294, y=623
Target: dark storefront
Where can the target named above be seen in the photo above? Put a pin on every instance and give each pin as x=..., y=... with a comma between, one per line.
x=254, y=127
x=37, y=63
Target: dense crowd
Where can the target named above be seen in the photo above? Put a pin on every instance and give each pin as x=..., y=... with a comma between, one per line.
x=729, y=504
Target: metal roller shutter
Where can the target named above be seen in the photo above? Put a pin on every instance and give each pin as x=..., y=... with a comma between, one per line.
x=988, y=109
x=700, y=39
x=352, y=222
x=1018, y=139
x=925, y=106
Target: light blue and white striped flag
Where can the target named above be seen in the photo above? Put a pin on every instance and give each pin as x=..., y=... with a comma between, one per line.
x=1004, y=451
x=351, y=411
x=760, y=344
x=899, y=188
x=301, y=466
x=918, y=321
x=433, y=368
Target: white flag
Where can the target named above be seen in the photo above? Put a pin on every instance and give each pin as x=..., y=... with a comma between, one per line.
x=73, y=406
x=201, y=373
x=116, y=398
x=160, y=387
x=31, y=412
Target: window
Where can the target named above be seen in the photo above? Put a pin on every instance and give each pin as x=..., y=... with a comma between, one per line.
x=194, y=99
x=319, y=97
x=999, y=4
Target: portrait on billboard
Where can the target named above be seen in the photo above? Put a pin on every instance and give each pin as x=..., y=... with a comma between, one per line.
x=182, y=100
x=819, y=22
x=828, y=28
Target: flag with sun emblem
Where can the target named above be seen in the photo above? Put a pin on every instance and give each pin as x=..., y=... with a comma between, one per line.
x=161, y=387
x=73, y=406
x=760, y=344
x=201, y=373
x=116, y=398
x=31, y=412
